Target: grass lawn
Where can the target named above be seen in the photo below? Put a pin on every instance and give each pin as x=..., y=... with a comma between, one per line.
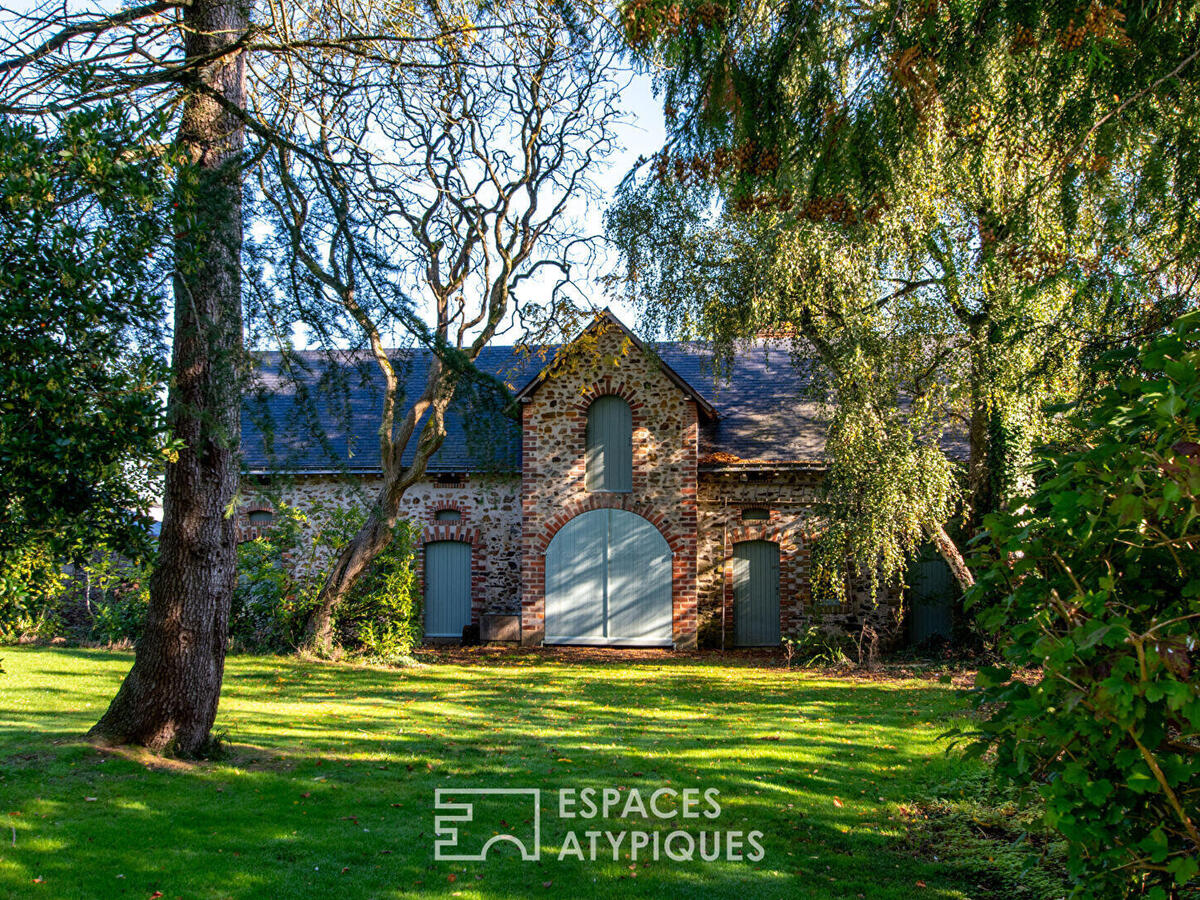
x=328, y=786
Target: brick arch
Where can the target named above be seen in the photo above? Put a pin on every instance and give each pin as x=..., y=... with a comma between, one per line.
x=683, y=565
x=243, y=530
x=606, y=500
x=455, y=531
x=793, y=564
x=462, y=507
x=605, y=387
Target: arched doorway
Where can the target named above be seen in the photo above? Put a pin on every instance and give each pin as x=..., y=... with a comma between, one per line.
x=608, y=582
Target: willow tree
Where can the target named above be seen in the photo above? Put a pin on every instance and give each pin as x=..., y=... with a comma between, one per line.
x=953, y=208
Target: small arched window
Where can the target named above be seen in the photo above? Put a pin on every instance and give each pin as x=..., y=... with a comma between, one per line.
x=755, y=514
x=260, y=517
x=609, y=461
x=448, y=515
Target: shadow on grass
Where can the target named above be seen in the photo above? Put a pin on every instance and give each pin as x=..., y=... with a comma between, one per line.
x=329, y=786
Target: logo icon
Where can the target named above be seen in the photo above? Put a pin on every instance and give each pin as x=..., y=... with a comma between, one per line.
x=455, y=812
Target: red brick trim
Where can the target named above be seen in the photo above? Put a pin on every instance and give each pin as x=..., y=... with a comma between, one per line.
x=683, y=566
x=604, y=388
x=462, y=507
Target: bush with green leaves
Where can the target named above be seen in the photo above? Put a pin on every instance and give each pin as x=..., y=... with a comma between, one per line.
x=272, y=595
x=280, y=574
x=32, y=591
x=819, y=645
x=382, y=614
x=101, y=599
x=1092, y=589
x=110, y=599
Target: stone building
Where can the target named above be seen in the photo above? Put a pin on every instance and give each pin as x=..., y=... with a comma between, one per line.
x=647, y=496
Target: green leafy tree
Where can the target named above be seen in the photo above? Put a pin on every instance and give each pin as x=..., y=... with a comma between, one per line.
x=1092, y=589
x=218, y=70
x=944, y=205
x=83, y=226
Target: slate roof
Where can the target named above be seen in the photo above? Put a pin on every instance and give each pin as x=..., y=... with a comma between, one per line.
x=321, y=415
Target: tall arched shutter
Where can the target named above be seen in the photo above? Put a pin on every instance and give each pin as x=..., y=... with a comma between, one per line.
x=609, y=445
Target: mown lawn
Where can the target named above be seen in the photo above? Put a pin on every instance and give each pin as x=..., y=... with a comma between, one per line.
x=328, y=785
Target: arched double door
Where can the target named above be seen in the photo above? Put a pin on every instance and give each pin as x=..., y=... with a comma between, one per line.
x=608, y=582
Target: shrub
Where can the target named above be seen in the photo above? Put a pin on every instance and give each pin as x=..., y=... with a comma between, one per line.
x=382, y=614
x=819, y=645
x=280, y=575
x=1093, y=589
x=32, y=592
x=273, y=593
x=110, y=599
x=103, y=600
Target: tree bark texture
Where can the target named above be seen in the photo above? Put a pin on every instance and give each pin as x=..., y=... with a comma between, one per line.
x=951, y=554
x=168, y=701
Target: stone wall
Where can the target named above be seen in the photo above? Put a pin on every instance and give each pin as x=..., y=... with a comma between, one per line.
x=789, y=496
x=491, y=522
x=665, y=437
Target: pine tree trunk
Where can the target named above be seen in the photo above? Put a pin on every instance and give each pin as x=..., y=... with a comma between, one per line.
x=168, y=701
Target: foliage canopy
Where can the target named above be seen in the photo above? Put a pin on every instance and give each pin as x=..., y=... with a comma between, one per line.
x=82, y=226
x=943, y=205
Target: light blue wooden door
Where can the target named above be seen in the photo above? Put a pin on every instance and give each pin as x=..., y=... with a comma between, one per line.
x=756, y=593
x=575, y=578
x=608, y=581
x=639, y=581
x=447, y=588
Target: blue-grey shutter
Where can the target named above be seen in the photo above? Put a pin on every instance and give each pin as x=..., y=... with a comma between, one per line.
x=756, y=593
x=447, y=588
x=609, y=461
x=608, y=581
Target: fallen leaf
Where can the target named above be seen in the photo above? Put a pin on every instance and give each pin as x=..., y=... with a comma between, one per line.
x=837, y=801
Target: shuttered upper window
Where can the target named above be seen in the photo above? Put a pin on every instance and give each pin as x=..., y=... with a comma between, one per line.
x=609, y=445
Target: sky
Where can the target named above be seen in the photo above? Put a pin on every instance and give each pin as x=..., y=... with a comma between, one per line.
x=641, y=134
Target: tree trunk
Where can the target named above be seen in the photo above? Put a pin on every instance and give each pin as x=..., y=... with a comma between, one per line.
x=371, y=540
x=951, y=554
x=168, y=701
